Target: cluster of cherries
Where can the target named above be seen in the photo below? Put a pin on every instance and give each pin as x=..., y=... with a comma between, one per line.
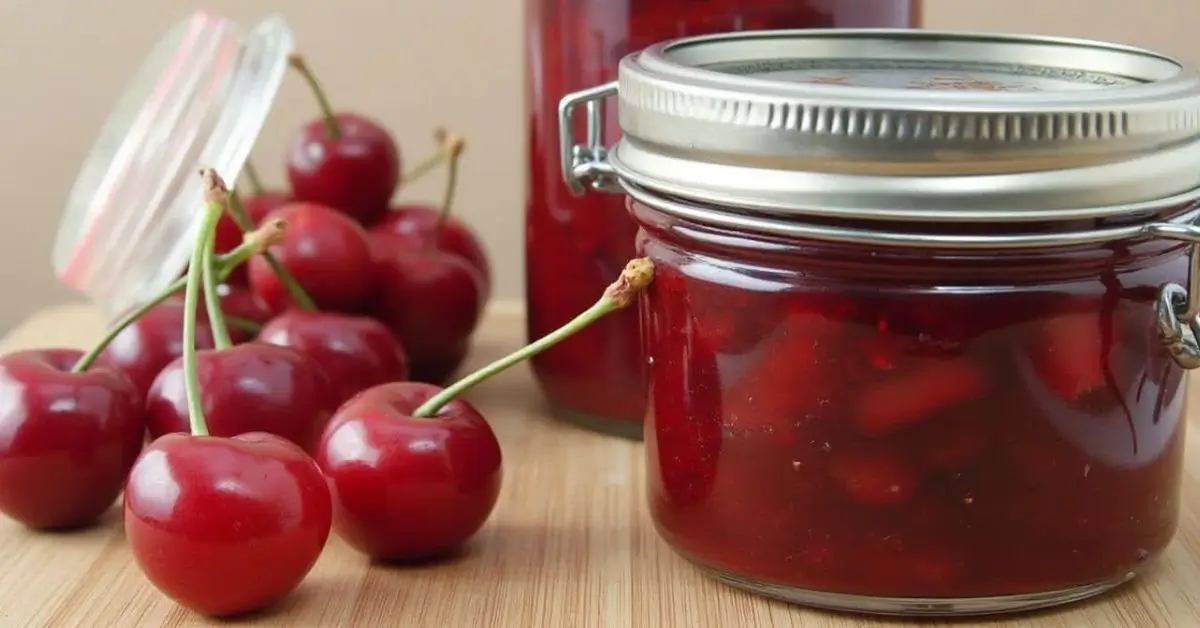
x=240, y=445
x=355, y=253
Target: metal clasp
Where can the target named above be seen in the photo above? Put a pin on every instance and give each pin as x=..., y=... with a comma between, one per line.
x=585, y=164
x=1179, y=307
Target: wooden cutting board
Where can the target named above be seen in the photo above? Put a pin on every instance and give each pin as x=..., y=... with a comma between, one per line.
x=569, y=546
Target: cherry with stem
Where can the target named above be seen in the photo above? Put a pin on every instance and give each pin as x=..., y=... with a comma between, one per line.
x=342, y=160
x=253, y=387
x=294, y=290
x=421, y=226
x=150, y=335
x=217, y=551
x=76, y=422
x=415, y=469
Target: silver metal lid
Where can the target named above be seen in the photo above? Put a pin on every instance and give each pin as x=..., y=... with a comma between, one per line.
x=914, y=124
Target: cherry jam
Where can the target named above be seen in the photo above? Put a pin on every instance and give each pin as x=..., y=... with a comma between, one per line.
x=867, y=423
x=577, y=246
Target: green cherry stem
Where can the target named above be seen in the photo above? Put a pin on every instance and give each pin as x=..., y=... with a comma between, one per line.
x=331, y=126
x=255, y=241
x=255, y=183
x=453, y=146
x=295, y=290
x=212, y=300
x=638, y=274
x=216, y=197
x=242, y=324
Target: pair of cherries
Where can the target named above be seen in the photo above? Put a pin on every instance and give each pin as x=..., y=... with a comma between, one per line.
x=415, y=268
x=232, y=516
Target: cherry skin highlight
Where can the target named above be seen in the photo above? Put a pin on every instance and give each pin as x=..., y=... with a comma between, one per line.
x=253, y=387
x=326, y=252
x=226, y=526
x=356, y=352
x=408, y=488
x=69, y=438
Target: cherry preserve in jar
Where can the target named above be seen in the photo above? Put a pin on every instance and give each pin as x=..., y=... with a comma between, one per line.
x=923, y=309
x=577, y=246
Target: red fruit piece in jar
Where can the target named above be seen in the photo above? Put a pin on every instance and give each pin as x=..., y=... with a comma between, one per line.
x=1068, y=354
x=683, y=423
x=787, y=383
x=916, y=394
x=876, y=478
x=733, y=321
x=952, y=443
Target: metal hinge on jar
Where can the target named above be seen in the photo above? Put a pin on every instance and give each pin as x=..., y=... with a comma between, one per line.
x=1179, y=307
x=586, y=165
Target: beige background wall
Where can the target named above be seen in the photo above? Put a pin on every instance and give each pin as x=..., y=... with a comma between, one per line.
x=414, y=64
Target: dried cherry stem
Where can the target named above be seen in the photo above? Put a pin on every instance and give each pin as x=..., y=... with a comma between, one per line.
x=453, y=144
x=216, y=198
x=256, y=186
x=300, y=65
x=225, y=265
x=295, y=290
x=638, y=274
x=445, y=147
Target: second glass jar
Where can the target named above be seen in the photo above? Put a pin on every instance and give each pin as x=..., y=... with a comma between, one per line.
x=923, y=308
x=575, y=246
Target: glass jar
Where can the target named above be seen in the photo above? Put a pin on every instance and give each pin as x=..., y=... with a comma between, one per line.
x=199, y=100
x=923, y=308
x=574, y=247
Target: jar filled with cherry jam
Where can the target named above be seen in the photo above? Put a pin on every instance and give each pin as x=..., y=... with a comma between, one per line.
x=923, y=308
x=575, y=246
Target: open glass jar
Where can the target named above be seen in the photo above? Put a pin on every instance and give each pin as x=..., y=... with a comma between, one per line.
x=575, y=246
x=199, y=100
x=923, y=309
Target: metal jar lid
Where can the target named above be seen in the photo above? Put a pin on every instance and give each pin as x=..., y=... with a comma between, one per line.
x=897, y=124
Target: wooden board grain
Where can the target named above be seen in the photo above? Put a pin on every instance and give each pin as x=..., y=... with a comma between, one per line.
x=570, y=546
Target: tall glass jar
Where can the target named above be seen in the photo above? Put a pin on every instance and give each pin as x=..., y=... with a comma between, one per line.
x=574, y=247
x=923, y=309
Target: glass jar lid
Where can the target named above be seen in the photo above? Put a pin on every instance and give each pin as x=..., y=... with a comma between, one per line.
x=887, y=124
x=199, y=100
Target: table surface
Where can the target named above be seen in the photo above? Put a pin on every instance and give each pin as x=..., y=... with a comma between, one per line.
x=570, y=545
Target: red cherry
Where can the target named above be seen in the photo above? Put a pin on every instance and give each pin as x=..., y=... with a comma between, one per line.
x=258, y=205
x=69, y=439
x=142, y=349
x=252, y=387
x=356, y=352
x=242, y=303
x=343, y=160
x=228, y=237
x=409, y=488
x=225, y=526
x=326, y=252
x=417, y=226
x=432, y=301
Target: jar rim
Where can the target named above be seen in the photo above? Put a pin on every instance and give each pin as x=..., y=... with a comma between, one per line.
x=1178, y=225
x=199, y=99
x=1122, y=125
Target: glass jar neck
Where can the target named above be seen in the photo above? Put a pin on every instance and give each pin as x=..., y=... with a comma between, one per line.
x=946, y=265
